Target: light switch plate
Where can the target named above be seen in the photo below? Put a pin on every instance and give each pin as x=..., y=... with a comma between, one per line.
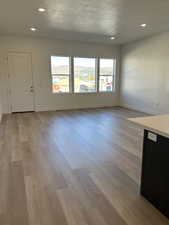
x=152, y=137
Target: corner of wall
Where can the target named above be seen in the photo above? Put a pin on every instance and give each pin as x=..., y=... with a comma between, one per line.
x=1, y=117
x=120, y=77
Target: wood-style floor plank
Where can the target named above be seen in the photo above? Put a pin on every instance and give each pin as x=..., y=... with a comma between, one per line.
x=17, y=201
x=78, y=167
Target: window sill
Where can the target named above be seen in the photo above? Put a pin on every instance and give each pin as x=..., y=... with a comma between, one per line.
x=82, y=93
x=113, y=91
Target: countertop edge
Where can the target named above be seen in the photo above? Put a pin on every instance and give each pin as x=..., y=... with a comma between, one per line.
x=149, y=128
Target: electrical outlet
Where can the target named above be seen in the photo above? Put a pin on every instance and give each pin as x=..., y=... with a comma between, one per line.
x=152, y=137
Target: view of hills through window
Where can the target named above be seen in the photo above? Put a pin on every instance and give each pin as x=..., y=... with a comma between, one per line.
x=106, y=66
x=60, y=68
x=106, y=74
x=60, y=65
x=84, y=74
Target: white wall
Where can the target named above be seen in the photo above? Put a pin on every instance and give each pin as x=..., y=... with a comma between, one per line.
x=0, y=110
x=0, y=92
x=145, y=75
x=41, y=50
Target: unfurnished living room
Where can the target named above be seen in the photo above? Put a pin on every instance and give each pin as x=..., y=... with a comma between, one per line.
x=84, y=112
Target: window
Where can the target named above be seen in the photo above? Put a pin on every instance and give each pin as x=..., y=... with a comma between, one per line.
x=84, y=75
x=60, y=68
x=106, y=74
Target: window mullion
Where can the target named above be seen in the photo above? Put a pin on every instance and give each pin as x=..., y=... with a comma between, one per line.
x=60, y=75
x=97, y=73
x=114, y=75
x=108, y=75
x=72, y=74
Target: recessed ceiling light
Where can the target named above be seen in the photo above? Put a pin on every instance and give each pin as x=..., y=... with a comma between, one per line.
x=112, y=38
x=41, y=9
x=143, y=25
x=33, y=29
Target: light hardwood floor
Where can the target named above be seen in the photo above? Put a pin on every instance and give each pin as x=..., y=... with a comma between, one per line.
x=72, y=168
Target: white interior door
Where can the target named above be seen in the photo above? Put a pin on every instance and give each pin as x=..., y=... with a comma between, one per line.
x=21, y=82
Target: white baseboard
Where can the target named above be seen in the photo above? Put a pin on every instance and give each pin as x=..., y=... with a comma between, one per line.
x=148, y=111
x=47, y=108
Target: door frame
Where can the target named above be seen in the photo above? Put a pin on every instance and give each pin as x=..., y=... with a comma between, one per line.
x=9, y=80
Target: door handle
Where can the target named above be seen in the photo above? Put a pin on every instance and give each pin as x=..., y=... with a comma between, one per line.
x=31, y=89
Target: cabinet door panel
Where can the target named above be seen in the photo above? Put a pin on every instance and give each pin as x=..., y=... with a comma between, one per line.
x=155, y=172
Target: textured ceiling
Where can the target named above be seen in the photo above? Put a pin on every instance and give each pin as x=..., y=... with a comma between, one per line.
x=85, y=20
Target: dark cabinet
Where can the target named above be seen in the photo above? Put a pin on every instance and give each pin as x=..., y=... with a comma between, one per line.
x=155, y=172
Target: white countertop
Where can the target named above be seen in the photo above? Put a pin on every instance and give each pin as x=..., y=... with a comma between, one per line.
x=158, y=124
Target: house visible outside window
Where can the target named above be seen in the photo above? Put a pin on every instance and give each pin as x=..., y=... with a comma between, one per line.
x=84, y=75
x=60, y=69
x=106, y=75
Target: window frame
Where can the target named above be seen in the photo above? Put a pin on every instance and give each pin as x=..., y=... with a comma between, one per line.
x=61, y=75
x=113, y=75
x=97, y=74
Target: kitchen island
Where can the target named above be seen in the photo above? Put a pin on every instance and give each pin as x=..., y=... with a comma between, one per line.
x=155, y=163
